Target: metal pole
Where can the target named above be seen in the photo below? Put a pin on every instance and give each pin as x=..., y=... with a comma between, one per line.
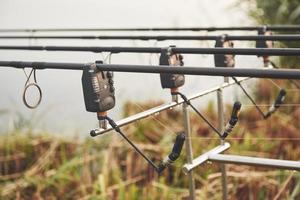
x=189, y=150
x=255, y=161
x=221, y=129
x=205, y=157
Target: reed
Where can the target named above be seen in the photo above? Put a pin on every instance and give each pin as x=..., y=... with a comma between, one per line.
x=43, y=166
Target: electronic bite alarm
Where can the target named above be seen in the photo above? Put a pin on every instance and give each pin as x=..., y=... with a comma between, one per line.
x=98, y=90
x=171, y=81
x=224, y=60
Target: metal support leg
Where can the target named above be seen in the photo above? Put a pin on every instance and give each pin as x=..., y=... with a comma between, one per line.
x=189, y=150
x=255, y=161
x=204, y=157
x=221, y=129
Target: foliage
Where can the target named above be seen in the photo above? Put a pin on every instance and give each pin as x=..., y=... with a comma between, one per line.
x=276, y=12
x=41, y=166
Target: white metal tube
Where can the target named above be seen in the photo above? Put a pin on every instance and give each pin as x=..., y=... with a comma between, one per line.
x=189, y=149
x=221, y=130
x=204, y=157
x=246, y=160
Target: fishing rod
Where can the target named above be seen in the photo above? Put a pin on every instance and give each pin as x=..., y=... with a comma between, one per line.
x=161, y=37
x=282, y=28
x=236, y=51
x=204, y=71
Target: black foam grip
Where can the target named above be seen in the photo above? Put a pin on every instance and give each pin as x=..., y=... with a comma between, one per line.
x=177, y=146
x=235, y=113
x=280, y=98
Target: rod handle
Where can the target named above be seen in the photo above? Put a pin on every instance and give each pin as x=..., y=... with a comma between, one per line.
x=177, y=147
x=235, y=112
x=280, y=98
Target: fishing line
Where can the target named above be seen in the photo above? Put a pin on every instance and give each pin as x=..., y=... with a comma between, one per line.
x=107, y=57
x=293, y=82
x=164, y=125
x=275, y=84
x=151, y=54
x=198, y=113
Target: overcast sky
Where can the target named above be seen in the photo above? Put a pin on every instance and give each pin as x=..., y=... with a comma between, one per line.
x=62, y=106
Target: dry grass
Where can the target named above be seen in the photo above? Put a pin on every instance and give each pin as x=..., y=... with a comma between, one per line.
x=41, y=166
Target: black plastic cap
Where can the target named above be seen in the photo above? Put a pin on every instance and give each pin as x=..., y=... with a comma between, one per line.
x=235, y=113
x=280, y=98
x=93, y=133
x=236, y=109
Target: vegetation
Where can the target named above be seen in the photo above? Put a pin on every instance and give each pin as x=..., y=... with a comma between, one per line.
x=277, y=12
x=41, y=166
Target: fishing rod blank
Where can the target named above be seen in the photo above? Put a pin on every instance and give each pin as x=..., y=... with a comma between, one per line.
x=245, y=72
x=236, y=51
x=229, y=28
x=164, y=37
x=204, y=71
